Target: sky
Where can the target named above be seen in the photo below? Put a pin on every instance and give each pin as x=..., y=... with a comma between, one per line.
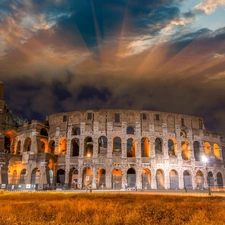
x=161, y=55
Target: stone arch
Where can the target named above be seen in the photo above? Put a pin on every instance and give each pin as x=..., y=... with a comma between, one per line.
x=187, y=179
x=62, y=146
x=116, y=179
x=130, y=130
x=9, y=142
x=44, y=132
x=75, y=131
x=207, y=148
x=88, y=146
x=14, y=179
x=35, y=176
x=117, y=144
x=216, y=151
x=160, y=179
x=74, y=178
x=183, y=134
x=18, y=147
x=196, y=146
x=131, y=147
x=23, y=176
x=185, y=150
x=146, y=179
x=210, y=179
x=131, y=177
x=172, y=147
x=102, y=145
x=27, y=145
x=52, y=146
x=101, y=181
x=158, y=146
x=60, y=176
x=174, y=181
x=75, y=147
x=43, y=145
x=219, y=180
x=87, y=176
x=199, y=180
x=145, y=147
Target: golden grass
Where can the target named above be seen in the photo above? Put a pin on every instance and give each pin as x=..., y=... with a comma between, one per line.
x=113, y=209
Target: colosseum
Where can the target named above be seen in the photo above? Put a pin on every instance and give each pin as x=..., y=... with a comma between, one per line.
x=109, y=149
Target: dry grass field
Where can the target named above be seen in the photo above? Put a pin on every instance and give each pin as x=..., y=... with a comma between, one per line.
x=104, y=208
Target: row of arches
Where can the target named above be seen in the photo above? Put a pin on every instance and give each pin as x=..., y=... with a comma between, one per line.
x=131, y=147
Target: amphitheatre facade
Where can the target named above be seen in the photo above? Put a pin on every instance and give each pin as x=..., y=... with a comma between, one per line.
x=109, y=149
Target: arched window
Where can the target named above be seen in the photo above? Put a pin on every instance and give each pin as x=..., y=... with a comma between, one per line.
x=102, y=145
x=62, y=146
x=27, y=145
x=145, y=147
x=216, y=151
x=88, y=147
x=185, y=149
x=160, y=179
x=158, y=146
x=131, y=148
x=207, y=148
x=130, y=130
x=44, y=132
x=52, y=146
x=172, y=147
x=197, y=151
x=117, y=144
x=75, y=147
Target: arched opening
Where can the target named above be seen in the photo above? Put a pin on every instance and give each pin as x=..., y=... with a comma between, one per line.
x=101, y=178
x=88, y=147
x=160, y=179
x=131, y=147
x=183, y=134
x=75, y=147
x=219, y=180
x=35, y=176
x=130, y=130
x=116, y=179
x=43, y=145
x=174, y=183
x=18, y=148
x=172, y=147
x=52, y=146
x=75, y=131
x=207, y=148
x=210, y=179
x=197, y=151
x=14, y=177
x=145, y=147
x=216, y=151
x=158, y=146
x=199, y=180
x=102, y=145
x=62, y=146
x=131, y=178
x=117, y=144
x=185, y=150
x=9, y=141
x=23, y=177
x=74, y=179
x=60, y=177
x=87, y=176
x=146, y=179
x=44, y=132
x=187, y=179
x=27, y=145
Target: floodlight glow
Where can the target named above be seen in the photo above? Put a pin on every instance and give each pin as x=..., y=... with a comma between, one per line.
x=204, y=159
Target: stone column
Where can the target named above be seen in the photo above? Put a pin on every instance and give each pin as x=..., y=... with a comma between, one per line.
x=0, y=174
x=108, y=178
x=124, y=148
x=95, y=148
x=94, y=177
x=153, y=179
x=80, y=177
x=181, y=180
x=152, y=147
x=138, y=177
x=138, y=148
x=81, y=150
x=109, y=147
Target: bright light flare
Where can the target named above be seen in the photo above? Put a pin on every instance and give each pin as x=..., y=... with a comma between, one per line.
x=204, y=159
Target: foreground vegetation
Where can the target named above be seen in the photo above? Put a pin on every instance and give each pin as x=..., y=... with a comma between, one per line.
x=116, y=209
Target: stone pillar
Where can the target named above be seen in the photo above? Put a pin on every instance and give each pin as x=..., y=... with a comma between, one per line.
x=94, y=177
x=153, y=179
x=181, y=180
x=152, y=147
x=95, y=148
x=108, y=178
x=139, y=177
x=80, y=177
x=124, y=148
x=138, y=148
x=81, y=150
x=109, y=147
x=0, y=174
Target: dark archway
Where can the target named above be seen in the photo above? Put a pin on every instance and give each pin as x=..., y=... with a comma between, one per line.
x=131, y=178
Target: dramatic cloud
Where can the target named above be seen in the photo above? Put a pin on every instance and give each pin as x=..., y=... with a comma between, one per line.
x=66, y=55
